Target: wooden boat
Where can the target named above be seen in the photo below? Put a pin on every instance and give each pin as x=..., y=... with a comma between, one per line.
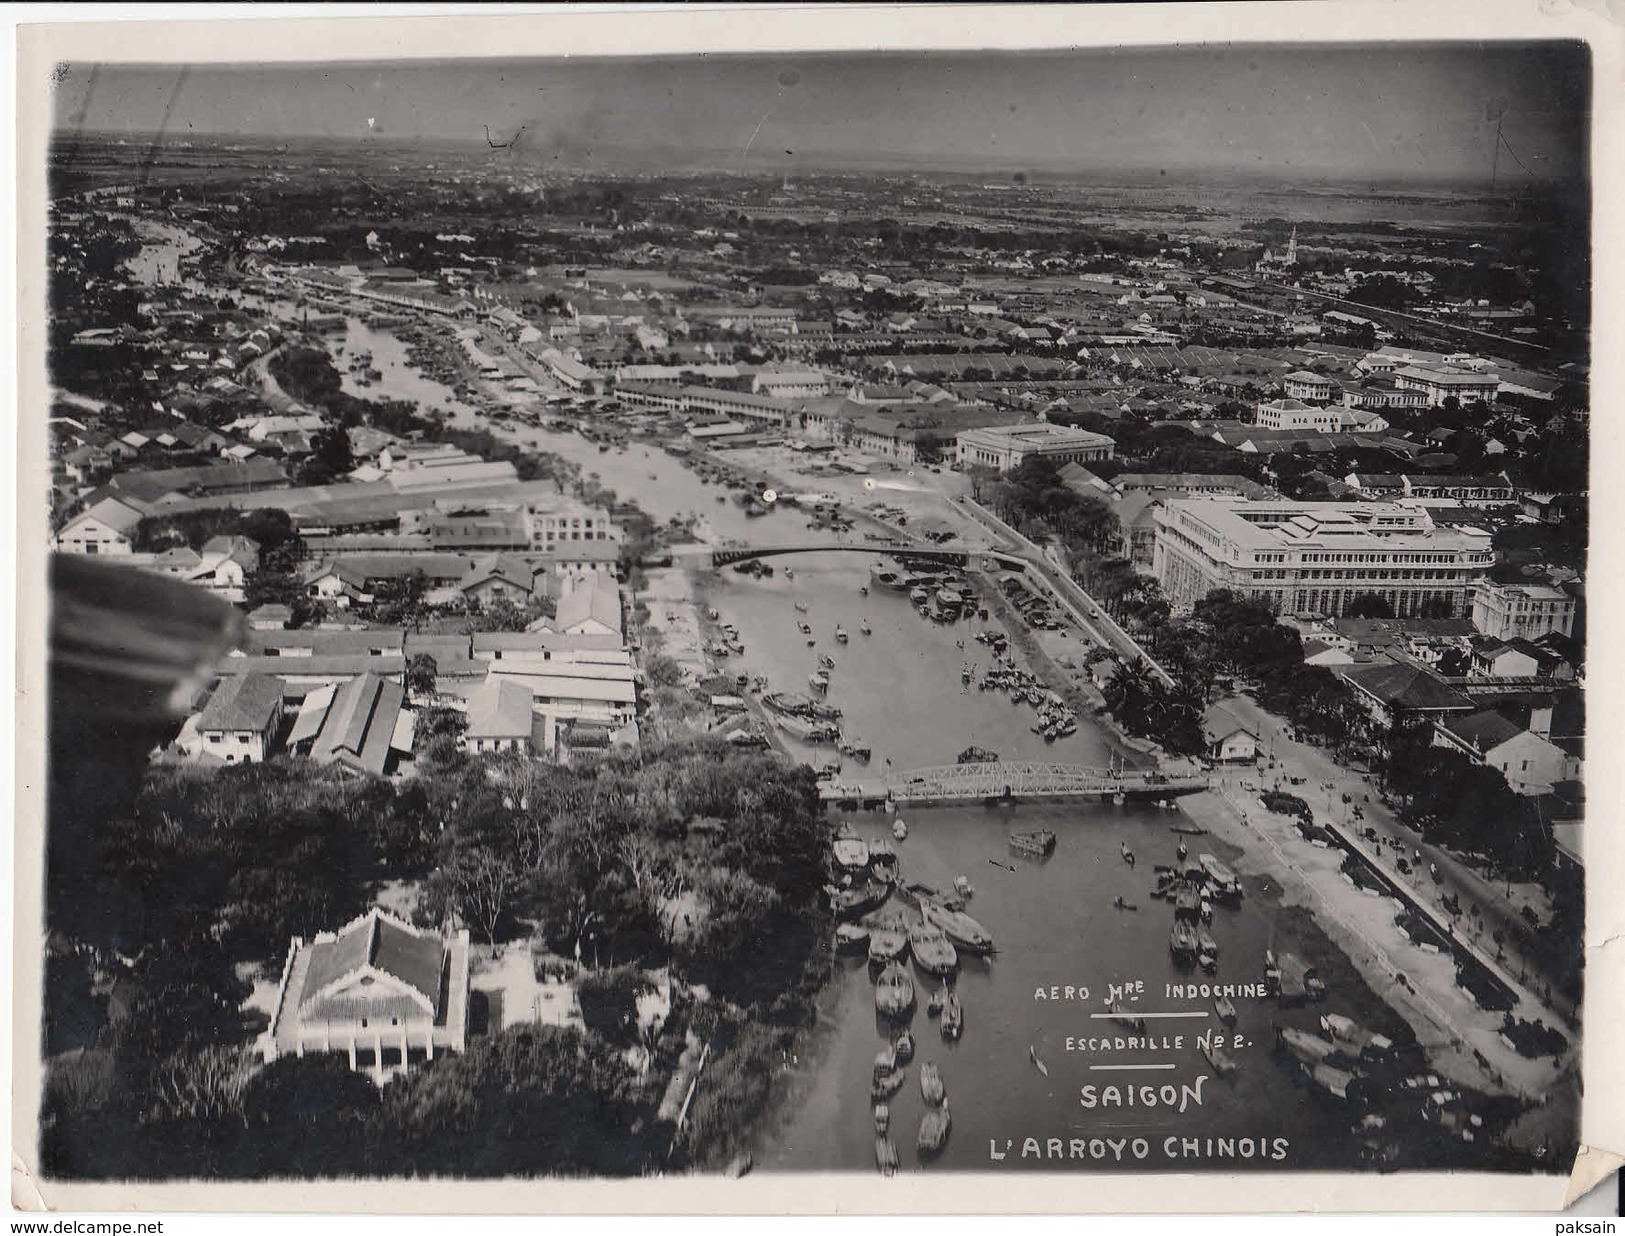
x=1123, y=1017
x=953, y=1017
x=1347, y=1030
x=1226, y=1009
x=855, y=902
x=1182, y=940
x=865, y=627
x=886, y=945
x=882, y=1118
x=851, y=938
x=887, y=579
x=881, y=852
x=851, y=852
x=1296, y=980
x=894, y=994
x=1333, y=1081
x=934, y=1127
x=1220, y=1059
x=1310, y=1049
x=883, y=1088
x=840, y=635
x=978, y=755
x=1128, y=854
x=801, y=606
x=964, y=887
x=899, y=829
x=1187, y=903
x=903, y=1048
x=1205, y=941
x=932, y=951
x=818, y=733
x=1222, y=879
x=885, y=1155
x=1038, y=1063
x=917, y=894
x=885, y=1062
x=789, y=704
x=934, y=1004
x=931, y=1088
x=961, y=928
x=1208, y=961
x=1039, y=844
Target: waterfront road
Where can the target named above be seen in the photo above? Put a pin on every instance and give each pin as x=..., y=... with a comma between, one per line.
x=1324, y=782
x=1084, y=609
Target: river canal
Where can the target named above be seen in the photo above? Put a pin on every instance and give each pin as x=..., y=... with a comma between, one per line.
x=1054, y=920
x=399, y=378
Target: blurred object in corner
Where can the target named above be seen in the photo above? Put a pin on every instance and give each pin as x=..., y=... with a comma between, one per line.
x=130, y=652
x=130, y=649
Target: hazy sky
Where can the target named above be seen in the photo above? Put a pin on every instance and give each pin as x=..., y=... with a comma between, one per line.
x=1379, y=111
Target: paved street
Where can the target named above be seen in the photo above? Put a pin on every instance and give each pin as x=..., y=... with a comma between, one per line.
x=1324, y=783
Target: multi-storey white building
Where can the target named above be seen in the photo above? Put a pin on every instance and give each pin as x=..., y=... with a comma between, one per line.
x=1291, y=414
x=1522, y=611
x=1440, y=384
x=1314, y=557
x=1314, y=387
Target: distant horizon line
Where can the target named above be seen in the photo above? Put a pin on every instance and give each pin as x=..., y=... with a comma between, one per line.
x=713, y=160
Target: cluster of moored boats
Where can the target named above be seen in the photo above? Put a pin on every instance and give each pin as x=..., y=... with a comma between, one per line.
x=1194, y=888
x=942, y=596
x=727, y=642
x=1055, y=718
x=933, y=933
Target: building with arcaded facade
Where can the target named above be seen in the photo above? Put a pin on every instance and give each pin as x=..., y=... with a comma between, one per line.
x=1317, y=557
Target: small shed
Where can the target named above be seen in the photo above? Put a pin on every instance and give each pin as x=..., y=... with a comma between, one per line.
x=1229, y=740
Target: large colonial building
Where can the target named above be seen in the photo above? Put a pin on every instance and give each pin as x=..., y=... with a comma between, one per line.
x=1313, y=387
x=1291, y=414
x=1004, y=447
x=1522, y=611
x=1316, y=557
x=1441, y=384
x=385, y=993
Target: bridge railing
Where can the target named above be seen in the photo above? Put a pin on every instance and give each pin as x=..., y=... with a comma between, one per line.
x=1031, y=777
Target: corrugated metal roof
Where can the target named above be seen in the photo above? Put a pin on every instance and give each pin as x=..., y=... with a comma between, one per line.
x=246, y=702
x=311, y=715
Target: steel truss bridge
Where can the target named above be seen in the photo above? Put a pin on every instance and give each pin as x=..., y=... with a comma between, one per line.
x=1017, y=779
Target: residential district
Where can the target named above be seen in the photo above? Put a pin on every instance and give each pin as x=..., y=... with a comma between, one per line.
x=1293, y=510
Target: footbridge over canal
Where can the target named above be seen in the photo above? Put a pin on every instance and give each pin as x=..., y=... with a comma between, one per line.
x=1013, y=780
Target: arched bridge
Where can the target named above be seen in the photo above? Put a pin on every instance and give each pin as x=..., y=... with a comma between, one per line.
x=728, y=555
x=1016, y=779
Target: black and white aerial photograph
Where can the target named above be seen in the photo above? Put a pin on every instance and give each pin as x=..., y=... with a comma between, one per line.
x=896, y=613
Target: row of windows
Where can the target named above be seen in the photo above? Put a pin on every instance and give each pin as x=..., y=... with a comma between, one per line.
x=1384, y=557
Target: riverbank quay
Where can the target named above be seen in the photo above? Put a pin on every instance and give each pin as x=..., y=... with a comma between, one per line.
x=1461, y=1040
x=1065, y=592
x=1343, y=789
x=1043, y=649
